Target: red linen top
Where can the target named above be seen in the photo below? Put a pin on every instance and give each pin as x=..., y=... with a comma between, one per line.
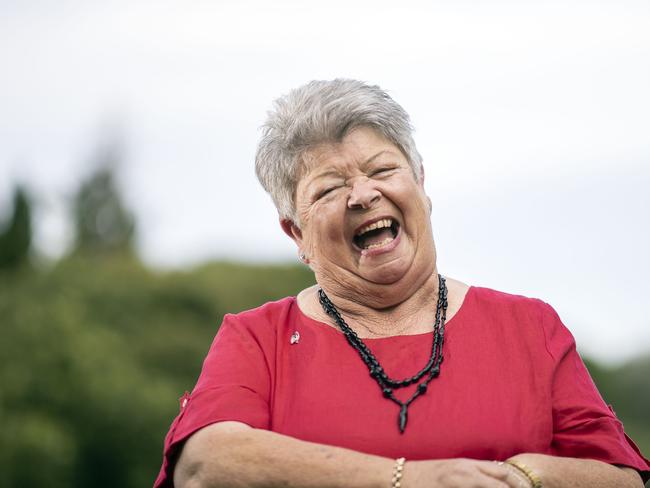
x=511, y=382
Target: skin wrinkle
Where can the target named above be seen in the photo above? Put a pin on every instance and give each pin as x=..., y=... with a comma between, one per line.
x=402, y=286
x=305, y=161
x=388, y=320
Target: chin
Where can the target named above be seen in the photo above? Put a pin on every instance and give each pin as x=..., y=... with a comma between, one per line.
x=388, y=273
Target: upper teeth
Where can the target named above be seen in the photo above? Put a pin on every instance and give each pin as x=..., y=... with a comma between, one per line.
x=376, y=225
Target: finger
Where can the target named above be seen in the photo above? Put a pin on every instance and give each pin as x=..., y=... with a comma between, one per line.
x=494, y=469
x=515, y=480
x=504, y=473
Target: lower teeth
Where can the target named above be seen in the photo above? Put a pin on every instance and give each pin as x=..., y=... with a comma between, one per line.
x=379, y=244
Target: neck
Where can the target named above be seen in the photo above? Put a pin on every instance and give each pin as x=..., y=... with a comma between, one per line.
x=411, y=315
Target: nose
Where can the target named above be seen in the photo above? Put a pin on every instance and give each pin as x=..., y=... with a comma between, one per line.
x=363, y=195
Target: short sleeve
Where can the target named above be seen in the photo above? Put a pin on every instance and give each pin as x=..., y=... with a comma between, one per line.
x=234, y=385
x=583, y=425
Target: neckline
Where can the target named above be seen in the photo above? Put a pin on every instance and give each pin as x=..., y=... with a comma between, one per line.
x=322, y=325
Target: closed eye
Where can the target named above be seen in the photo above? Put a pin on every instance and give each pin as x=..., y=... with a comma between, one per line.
x=326, y=191
x=382, y=171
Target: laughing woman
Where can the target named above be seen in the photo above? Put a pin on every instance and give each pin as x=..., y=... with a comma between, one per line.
x=345, y=384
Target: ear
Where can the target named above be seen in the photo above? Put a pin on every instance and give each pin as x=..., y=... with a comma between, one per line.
x=292, y=230
x=422, y=175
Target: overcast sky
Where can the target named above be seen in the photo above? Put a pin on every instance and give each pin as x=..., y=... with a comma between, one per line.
x=533, y=119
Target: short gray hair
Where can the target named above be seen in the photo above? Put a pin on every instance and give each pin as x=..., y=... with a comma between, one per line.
x=321, y=112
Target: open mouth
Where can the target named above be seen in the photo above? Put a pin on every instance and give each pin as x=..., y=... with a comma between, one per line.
x=377, y=234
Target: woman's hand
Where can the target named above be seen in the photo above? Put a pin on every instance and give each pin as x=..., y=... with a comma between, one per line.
x=461, y=473
x=560, y=472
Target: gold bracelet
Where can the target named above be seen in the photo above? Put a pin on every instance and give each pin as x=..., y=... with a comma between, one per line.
x=397, y=473
x=535, y=482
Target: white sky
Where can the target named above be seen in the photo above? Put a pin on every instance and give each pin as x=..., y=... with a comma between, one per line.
x=533, y=119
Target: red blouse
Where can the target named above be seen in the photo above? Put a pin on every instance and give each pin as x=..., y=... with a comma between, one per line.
x=511, y=382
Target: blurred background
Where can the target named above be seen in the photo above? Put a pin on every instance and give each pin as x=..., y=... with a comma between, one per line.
x=131, y=219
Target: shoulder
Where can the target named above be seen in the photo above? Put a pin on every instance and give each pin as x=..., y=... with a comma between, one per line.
x=499, y=301
x=261, y=321
x=252, y=331
x=527, y=315
x=267, y=311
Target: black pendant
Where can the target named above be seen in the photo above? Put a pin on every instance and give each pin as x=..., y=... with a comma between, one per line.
x=403, y=417
x=431, y=369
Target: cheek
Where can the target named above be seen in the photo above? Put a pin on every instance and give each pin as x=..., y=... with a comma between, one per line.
x=326, y=232
x=419, y=198
x=416, y=212
x=408, y=198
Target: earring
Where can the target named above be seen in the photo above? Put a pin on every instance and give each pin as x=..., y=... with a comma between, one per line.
x=303, y=258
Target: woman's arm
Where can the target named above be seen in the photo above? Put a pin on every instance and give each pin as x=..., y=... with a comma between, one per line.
x=561, y=472
x=233, y=454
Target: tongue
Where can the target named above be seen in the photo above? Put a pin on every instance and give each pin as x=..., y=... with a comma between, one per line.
x=376, y=236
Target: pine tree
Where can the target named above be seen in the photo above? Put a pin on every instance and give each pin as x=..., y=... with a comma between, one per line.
x=16, y=238
x=103, y=224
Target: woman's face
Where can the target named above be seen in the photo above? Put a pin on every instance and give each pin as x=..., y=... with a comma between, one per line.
x=363, y=218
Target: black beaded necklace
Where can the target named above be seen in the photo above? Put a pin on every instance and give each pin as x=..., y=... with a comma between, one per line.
x=431, y=370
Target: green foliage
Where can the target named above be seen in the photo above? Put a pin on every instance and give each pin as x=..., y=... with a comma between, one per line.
x=627, y=389
x=94, y=355
x=103, y=225
x=16, y=238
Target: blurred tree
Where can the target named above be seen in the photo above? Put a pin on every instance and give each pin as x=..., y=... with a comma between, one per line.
x=92, y=363
x=103, y=224
x=627, y=389
x=16, y=238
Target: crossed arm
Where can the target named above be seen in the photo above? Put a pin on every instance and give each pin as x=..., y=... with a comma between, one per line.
x=232, y=454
